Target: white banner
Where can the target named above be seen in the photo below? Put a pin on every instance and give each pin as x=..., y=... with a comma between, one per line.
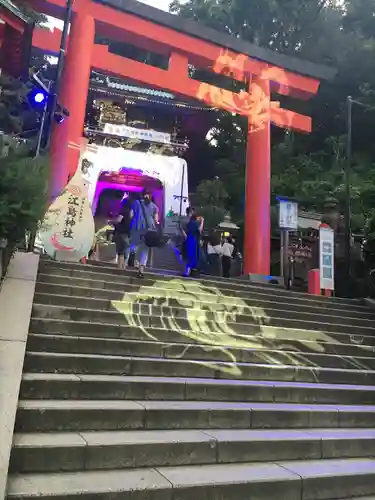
x=137, y=133
x=326, y=257
x=288, y=215
x=68, y=229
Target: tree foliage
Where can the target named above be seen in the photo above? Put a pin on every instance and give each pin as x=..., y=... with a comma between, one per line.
x=308, y=168
x=210, y=200
x=12, y=95
x=23, y=193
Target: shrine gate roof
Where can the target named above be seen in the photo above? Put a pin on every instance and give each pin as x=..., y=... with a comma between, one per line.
x=197, y=30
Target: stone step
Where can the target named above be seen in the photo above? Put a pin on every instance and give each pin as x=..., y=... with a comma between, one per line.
x=152, y=303
x=57, y=285
x=293, y=480
x=56, y=362
x=123, y=313
x=208, y=284
x=72, y=415
x=199, y=352
x=269, y=338
x=110, y=387
x=56, y=452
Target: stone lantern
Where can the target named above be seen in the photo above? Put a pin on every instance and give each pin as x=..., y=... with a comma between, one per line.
x=331, y=214
x=227, y=226
x=333, y=217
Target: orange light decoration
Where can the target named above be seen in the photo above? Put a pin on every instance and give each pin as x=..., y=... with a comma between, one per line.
x=254, y=104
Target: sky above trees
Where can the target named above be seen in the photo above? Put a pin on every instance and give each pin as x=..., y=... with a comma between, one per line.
x=159, y=4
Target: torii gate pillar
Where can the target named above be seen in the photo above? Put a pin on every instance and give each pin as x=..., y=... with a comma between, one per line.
x=67, y=137
x=257, y=244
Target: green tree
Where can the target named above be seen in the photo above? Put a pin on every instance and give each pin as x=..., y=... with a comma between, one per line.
x=23, y=193
x=12, y=96
x=210, y=200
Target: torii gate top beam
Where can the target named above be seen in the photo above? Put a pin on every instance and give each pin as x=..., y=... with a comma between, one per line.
x=130, y=20
x=187, y=42
x=198, y=31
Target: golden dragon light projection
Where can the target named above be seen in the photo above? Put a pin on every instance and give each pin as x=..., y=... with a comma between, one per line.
x=207, y=319
x=254, y=103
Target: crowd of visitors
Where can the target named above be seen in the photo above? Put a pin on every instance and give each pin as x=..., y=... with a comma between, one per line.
x=135, y=226
x=209, y=255
x=136, y=230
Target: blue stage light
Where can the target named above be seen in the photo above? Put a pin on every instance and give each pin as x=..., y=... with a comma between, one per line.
x=39, y=97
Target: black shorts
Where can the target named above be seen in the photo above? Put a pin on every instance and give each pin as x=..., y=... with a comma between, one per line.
x=122, y=242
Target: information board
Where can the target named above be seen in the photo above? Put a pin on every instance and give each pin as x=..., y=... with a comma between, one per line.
x=288, y=215
x=326, y=257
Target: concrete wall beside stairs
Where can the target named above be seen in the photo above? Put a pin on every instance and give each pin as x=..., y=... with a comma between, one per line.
x=16, y=299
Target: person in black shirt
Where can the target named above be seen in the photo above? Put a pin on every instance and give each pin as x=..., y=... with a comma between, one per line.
x=122, y=225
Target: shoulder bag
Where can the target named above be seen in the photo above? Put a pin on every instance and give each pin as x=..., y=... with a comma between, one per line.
x=152, y=238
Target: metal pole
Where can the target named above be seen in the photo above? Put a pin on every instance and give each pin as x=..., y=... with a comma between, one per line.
x=60, y=66
x=286, y=261
x=40, y=135
x=282, y=248
x=349, y=103
x=182, y=187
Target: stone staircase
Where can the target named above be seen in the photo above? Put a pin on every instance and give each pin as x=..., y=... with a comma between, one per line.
x=173, y=389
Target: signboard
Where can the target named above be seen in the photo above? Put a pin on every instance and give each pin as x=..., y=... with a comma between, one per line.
x=130, y=179
x=326, y=257
x=137, y=133
x=288, y=215
x=300, y=253
x=67, y=231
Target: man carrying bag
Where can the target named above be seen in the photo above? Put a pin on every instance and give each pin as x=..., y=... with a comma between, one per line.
x=144, y=232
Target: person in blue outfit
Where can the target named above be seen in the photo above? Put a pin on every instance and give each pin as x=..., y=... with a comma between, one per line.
x=145, y=218
x=193, y=231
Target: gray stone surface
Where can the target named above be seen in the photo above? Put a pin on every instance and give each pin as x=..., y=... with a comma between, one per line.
x=186, y=399
x=233, y=482
x=326, y=479
x=147, y=366
x=16, y=298
x=124, y=484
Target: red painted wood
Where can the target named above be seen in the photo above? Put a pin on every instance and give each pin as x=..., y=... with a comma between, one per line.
x=257, y=244
x=12, y=20
x=178, y=84
x=113, y=23
x=314, y=282
x=66, y=138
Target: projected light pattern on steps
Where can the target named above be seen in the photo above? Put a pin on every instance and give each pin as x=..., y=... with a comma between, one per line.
x=205, y=315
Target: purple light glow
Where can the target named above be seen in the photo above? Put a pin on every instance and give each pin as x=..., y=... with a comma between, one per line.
x=102, y=186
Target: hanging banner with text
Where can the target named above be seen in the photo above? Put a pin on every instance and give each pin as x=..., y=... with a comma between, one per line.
x=137, y=133
x=68, y=229
x=326, y=257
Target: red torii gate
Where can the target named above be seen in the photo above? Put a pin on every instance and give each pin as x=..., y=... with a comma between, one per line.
x=184, y=42
x=15, y=40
